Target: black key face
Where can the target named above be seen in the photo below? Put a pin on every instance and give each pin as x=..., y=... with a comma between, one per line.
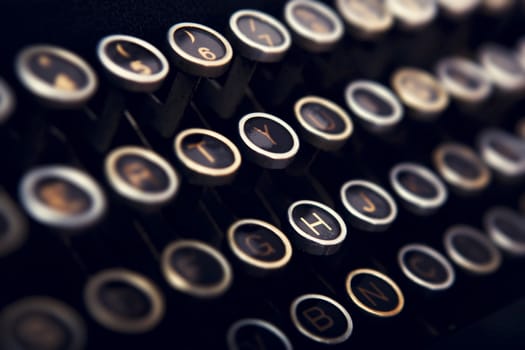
x=250, y=334
x=367, y=10
x=323, y=119
x=57, y=72
x=133, y=57
x=368, y=202
x=511, y=228
x=316, y=222
x=374, y=292
x=373, y=103
x=504, y=149
x=425, y=266
x=472, y=249
x=505, y=61
x=124, y=300
x=321, y=318
x=208, y=151
x=462, y=165
x=63, y=196
x=199, y=43
x=269, y=135
x=259, y=31
x=40, y=330
x=464, y=78
x=196, y=268
x=142, y=174
x=259, y=243
x=312, y=19
x=417, y=184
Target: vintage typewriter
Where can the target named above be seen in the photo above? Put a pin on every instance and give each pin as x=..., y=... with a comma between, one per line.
x=341, y=174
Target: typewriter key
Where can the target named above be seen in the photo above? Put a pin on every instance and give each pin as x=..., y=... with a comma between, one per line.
x=506, y=228
x=503, y=152
x=426, y=267
x=258, y=36
x=419, y=188
x=209, y=157
x=56, y=76
x=497, y=7
x=374, y=105
x=520, y=128
x=259, y=244
x=420, y=92
x=503, y=68
x=199, y=50
x=365, y=18
x=324, y=124
x=7, y=101
x=464, y=80
x=321, y=319
x=369, y=206
x=41, y=323
x=133, y=63
x=196, y=268
x=268, y=140
x=413, y=14
x=471, y=250
x=458, y=8
x=374, y=292
x=141, y=176
x=317, y=228
x=62, y=197
x=255, y=333
x=13, y=225
x=124, y=301
x=315, y=26
x=461, y=167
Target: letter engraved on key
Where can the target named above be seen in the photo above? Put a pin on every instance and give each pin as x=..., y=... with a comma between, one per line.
x=122, y=51
x=368, y=294
x=257, y=246
x=187, y=267
x=267, y=38
x=313, y=225
x=190, y=35
x=44, y=61
x=312, y=21
x=266, y=133
x=63, y=82
x=416, y=263
x=369, y=206
x=140, y=67
x=326, y=124
x=318, y=318
x=200, y=147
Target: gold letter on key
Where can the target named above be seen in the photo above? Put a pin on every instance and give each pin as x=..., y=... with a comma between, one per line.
x=200, y=147
x=260, y=248
x=313, y=225
x=266, y=133
x=369, y=207
x=378, y=294
x=318, y=318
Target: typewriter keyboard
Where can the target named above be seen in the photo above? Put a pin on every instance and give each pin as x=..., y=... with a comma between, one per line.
x=297, y=175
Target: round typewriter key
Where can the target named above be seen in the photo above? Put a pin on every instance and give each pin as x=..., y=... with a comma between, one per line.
x=497, y=7
x=367, y=18
x=420, y=92
x=259, y=37
x=503, y=68
x=259, y=244
x=325, y=125
x=461, y=167
x=420, y=189
x=62, y=197
x=41, y=323
x=315, y=26
x=132, y=62
x=268, y=140
x=141, y=175
x=124, y=301
x=464, y=80
x=374, y=292
x=318, y=229
x=321, y=318
x=210, y=157
x=199, y=50
x=7, y=101
x=196, y=268
x=374, y=104
x=520, y=128
x=503, y=152
x=458, y=8
x=56, y=76
x=506, y=228
x=255, y=333
x=413, y=13
x=426, y=267
x=371, y=208
x=13, y=226
x=471, y=250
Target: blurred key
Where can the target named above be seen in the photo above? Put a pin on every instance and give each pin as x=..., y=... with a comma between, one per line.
x=7, y=101
x=13, y=225
x=506, y=228
x=258, y=334
x=413, y=14
x=503, y=152
x=458, y=8
x=503, y=68
x=366, y=19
